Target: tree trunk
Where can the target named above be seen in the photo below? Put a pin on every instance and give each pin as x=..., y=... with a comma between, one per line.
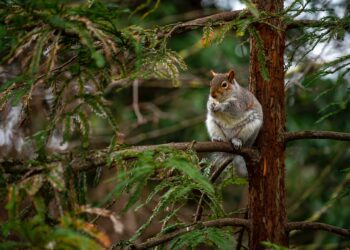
x=267, y=209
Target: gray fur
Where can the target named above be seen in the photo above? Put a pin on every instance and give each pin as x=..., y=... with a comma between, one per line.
x=237, y=118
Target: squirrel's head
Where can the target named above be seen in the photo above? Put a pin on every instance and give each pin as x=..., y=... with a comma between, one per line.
x=222, y=85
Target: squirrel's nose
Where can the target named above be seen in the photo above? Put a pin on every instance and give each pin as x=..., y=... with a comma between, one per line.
x=213, y=95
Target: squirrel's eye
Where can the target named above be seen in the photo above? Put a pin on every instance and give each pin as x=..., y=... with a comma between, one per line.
x=224, y=85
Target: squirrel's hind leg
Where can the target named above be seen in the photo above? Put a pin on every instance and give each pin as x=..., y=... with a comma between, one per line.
x=215, y=132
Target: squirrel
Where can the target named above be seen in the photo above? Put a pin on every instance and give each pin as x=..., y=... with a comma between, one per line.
x=234, y=115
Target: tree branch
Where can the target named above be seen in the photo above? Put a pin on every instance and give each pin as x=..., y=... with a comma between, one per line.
x=307, y=23
x=223, y=17
x=203, y=21
x=241, y=233
x=301, y=225
x=98, y=158
x=292, y=136
x=155, y=241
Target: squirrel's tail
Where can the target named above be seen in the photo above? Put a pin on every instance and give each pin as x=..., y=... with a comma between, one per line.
x=235, y=161
x=240, y=165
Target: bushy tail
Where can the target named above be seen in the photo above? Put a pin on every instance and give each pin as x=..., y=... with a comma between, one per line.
x=237, y=161
x=240, y=165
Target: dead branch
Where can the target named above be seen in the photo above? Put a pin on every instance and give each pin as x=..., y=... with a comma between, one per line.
x=213, y=223
x=301, y=225
x=301, y=135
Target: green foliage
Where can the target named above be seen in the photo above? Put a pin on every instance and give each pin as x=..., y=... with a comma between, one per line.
x=86, y=42
x=339, y=104
x=208, y=33
x=36, y=233
x=242, y=26
x=145, y=5
x=183, y=178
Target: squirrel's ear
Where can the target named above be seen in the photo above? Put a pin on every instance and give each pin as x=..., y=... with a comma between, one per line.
x=213, y=73
x=231, y=75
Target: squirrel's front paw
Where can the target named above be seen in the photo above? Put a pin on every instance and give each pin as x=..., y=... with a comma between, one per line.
x=214, y=107
x=217, y=138
x=237, y=143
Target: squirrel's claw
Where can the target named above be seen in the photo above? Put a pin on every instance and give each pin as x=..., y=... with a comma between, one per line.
x=237, y=143
x=214, y=107
x=218, y=139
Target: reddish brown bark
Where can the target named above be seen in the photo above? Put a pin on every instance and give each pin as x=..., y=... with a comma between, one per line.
x=267, y=209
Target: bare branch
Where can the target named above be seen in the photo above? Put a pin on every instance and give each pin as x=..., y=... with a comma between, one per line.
x=301, y=135
x=301, y=225
x=213, y=178
x=155, y=241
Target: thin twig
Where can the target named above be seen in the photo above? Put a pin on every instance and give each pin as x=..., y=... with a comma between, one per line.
x=301, y=225
x=220, y=169
x=135, y=101
x=241, y=233
x=108, y=206
x=301, y=135
x=213, y=178
x=58, y=68
x=155, y=241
